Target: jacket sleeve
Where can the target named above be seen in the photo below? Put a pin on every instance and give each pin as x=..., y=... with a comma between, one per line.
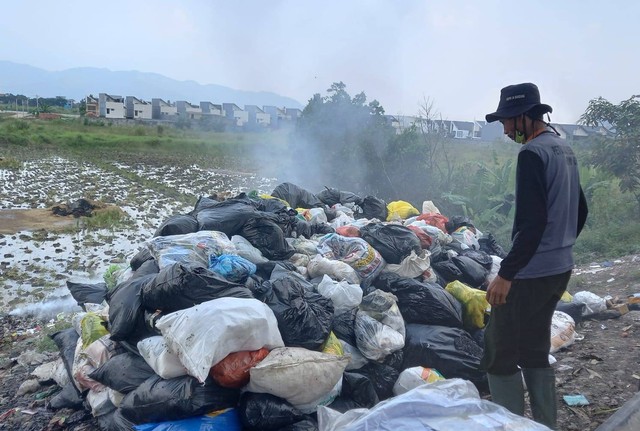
x=530, y=216
x=583, y=210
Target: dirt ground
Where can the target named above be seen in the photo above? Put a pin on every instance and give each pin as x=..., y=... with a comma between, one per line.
x=603, y=366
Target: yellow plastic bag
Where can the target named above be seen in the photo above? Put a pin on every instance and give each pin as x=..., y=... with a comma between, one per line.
x=566, y=297
x=92, y=327
x=401, y=209
x=332, y=345
x=474, y=303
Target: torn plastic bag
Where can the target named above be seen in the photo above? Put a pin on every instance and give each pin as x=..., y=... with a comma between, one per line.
x=451, y=404
x=233, y=370
x=304, y=317
x=179, y=286
x=394, y=242
x=296, y=196
x=225, y=420
x=300, y=376
x=178, y=224
x=231, y=267
x=382, y=376
x=203, y=335
x=331, y=196
x=373, y=208
x=126, y=315
x=357, y=392
x=114, y=421
x=193, y=248
x=452, y=351
x=266, y=412
x=87, y=293
x=67, y=340
x=473, y=273
x=158, y=400
x=266, y=235
x=123, y=373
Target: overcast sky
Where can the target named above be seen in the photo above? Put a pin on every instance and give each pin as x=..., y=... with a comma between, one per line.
x=456, y=53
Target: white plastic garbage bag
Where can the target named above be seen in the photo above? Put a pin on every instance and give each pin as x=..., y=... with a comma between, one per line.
x=247, y=250
x=194, y=247
x=594, y=304
x=413, y=265
x=413, y=377
x=343, y=294
x=452, y=404
x=336, y=269
x=298, y=375
x=205, y=334
x=164, y=363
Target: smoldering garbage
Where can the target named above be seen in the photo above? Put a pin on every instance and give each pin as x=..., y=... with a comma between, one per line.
x=243, y=312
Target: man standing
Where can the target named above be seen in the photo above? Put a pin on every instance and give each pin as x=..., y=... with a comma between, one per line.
x=550, y=212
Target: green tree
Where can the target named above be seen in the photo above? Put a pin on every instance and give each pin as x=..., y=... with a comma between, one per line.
x=618, y=155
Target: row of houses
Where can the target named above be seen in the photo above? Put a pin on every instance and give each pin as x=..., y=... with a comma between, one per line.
x=481, y=130
x=133, y=108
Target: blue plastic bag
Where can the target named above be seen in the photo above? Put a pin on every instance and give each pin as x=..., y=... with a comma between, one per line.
x=232, y=267
x=227, y=420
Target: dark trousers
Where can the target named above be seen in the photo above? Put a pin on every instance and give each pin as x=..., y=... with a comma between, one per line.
x=519, y=332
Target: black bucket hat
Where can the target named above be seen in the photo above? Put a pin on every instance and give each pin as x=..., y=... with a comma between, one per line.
x=518, y=99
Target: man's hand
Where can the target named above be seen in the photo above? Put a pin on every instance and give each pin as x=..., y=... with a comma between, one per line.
x=497, y=291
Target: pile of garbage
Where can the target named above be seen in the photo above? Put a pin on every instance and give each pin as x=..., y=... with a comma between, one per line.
x=286, y=311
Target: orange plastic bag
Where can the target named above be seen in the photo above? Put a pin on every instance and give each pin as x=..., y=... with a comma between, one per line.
x=433, y=219
x=348, y=230
x=233, y=370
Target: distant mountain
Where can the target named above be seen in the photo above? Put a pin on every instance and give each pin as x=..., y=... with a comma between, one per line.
x=78, y=82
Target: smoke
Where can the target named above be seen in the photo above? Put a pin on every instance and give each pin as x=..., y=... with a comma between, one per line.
x=48, y=308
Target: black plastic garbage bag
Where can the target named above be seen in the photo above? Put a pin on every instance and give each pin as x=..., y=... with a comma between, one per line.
x=344, y=326
x=265, y=269
x=179, y=286
x=178, y=224
x=141, y=257
x=393, y=241
x=451, y=351
x=66, y=340
x=266, y=412
x=308, y=424
x=330, y=196
x=114, y=421
x=373, y=207
x=67, y=398
x=148, y=267
x=473, y=273
x=296, y=196
x=229, y=219
x=383, y=377
x=395, y=360
x=87, y=293
x=357, y=392
x=448, y=270
x=126, y=315
x=573, y=309
x=158, y=400
x=267, y=236
x=489, y=245
x=123, y=373
x=421, y=302
x=304, y=317
x=456, y=222
x=480, y=257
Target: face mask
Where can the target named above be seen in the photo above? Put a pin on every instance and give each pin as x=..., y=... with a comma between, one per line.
x=519, y=137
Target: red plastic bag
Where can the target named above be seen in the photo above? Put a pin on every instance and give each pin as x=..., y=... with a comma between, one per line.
x=435, y=219
x=233, y=370
x=348, y=230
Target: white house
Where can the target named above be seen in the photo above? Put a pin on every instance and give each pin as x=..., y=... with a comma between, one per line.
x=111, y=106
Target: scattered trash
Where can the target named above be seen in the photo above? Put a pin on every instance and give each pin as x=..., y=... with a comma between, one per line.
x=576, y=400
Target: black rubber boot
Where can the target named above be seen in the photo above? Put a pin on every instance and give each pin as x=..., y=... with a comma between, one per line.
x=508, y=391
x=541, y=384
